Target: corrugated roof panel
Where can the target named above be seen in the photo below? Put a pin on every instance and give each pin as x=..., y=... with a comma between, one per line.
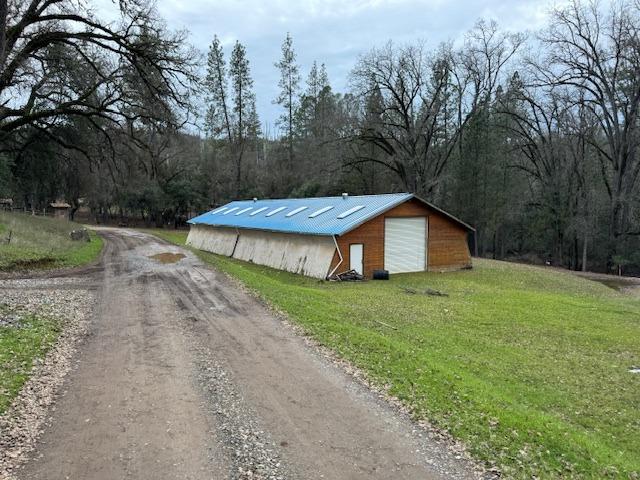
x=318, y=222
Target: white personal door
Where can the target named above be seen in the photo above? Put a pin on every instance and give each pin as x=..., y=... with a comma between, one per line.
x=356, y=256
x=405, y=244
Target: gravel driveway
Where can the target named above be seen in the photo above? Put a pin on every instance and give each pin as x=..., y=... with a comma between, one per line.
x=184, y=375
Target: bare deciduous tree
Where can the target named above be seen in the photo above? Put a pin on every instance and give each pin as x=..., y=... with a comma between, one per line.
x=428, y=99
x=41, y=38
x=597, y=55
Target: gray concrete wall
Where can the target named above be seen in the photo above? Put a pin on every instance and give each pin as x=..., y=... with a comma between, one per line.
x=304, y=254
x=308, y=255
x=212, y=239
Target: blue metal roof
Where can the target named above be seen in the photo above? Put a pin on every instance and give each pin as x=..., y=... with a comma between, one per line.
x=322, y=215
x=311, y=216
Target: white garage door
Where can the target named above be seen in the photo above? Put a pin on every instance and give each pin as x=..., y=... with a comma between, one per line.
x=405, y=244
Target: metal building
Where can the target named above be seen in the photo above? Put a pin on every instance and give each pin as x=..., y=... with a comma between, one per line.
x=318, y=237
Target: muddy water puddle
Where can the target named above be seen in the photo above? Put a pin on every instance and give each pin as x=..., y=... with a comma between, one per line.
x=167, y=257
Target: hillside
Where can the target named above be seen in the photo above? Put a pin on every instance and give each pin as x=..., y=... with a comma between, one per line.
x=40, y=242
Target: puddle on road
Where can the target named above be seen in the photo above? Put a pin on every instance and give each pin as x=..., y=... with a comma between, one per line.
x=167, y=257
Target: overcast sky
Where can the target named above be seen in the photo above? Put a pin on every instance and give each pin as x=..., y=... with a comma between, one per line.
x=335, y=32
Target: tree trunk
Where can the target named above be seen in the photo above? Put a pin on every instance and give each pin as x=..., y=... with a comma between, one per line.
x=612, y=249
x=584, y=254
x=3, y=30
x=495, y=246
x=560, y=250
x=475, y=243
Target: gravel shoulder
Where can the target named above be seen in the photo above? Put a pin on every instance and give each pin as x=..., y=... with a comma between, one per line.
x=182, y=374
x=70, y=302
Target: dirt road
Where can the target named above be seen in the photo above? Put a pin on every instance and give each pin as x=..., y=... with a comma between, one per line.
x=183, y=375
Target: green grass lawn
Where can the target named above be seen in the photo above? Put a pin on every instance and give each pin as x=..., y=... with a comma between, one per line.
x=528, y=367
x=39, y=242
x=19, y=346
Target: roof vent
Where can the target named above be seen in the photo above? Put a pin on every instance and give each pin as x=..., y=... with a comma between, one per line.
x=345, y=195
x=255, y=199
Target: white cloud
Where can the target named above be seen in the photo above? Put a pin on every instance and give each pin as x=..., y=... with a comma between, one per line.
x=335, y=31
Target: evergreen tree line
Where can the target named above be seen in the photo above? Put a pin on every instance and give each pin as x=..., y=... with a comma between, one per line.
x=532, y=138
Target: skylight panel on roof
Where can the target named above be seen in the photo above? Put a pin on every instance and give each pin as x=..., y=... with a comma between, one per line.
x=297, y=210
x=350, y=211
x=218, y=210
x=243, y=210
x=321, y=211
x=233, y=209
x=273, y=212
x=261, y=209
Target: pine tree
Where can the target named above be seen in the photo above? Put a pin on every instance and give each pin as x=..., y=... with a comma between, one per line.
x=315, y=104
x=243, y=97
x=232, y=112
x=245, y=124
x=313, y=82
x=289, y=88
x=306, y=112
x=217, y=119
x=325, y=103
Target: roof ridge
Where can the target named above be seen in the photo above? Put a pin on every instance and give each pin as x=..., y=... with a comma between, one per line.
x=317, y=198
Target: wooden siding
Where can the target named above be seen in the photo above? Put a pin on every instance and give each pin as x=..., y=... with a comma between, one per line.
x=447, y=247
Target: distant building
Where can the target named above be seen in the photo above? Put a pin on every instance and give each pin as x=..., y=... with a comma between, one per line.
x=319, y=237
x=60, y=209
x=6, y=203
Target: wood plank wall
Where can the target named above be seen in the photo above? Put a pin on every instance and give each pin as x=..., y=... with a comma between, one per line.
x=447, y=247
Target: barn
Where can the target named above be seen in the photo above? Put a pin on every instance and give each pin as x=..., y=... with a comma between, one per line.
x=319, y=237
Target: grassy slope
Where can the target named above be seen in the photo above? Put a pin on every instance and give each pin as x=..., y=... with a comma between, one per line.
x=529, y=367
x=19, y=347
x=36, y=242
x=39, y=242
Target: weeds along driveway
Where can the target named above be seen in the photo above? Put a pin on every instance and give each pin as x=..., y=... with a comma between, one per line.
x=184, y=375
